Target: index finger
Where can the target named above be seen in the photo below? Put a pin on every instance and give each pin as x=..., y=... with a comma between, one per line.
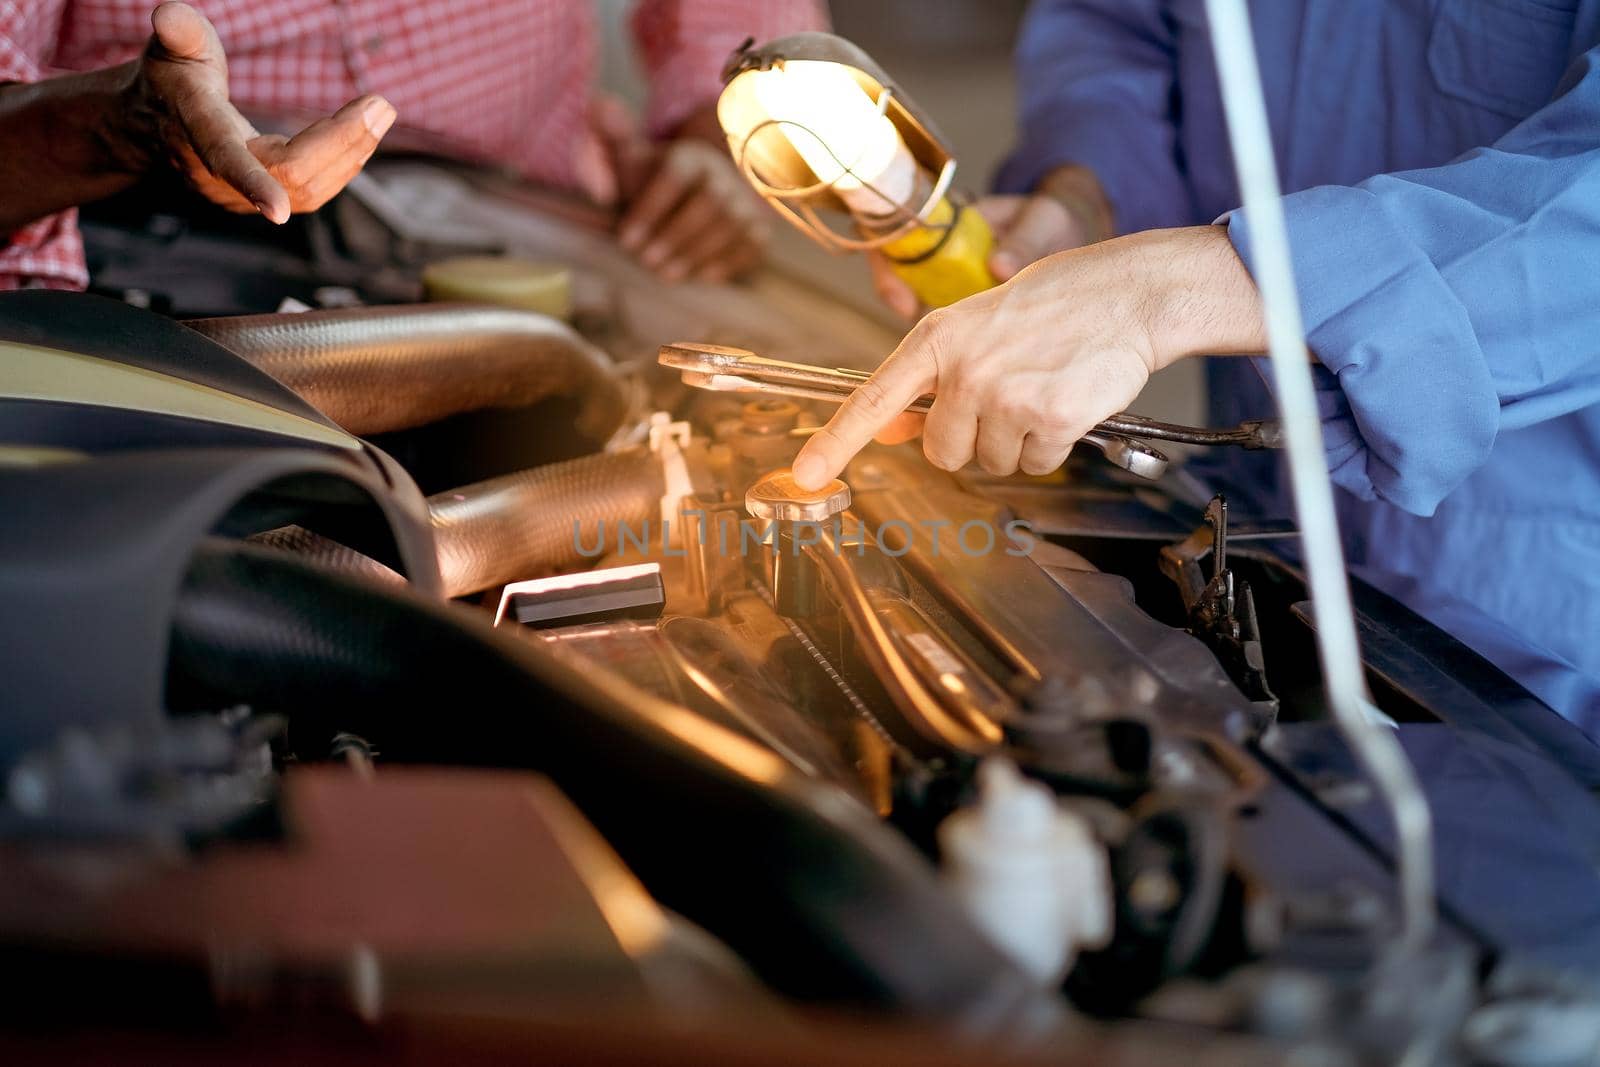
x=881, y=399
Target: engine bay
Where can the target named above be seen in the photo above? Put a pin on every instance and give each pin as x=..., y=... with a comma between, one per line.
x=394, y=679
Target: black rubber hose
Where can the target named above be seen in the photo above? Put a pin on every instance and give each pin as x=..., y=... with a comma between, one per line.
x=377, y=369
x=822, y=900
x=326, y=552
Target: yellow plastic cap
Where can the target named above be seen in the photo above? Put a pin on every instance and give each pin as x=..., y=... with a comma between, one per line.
x=542, y=287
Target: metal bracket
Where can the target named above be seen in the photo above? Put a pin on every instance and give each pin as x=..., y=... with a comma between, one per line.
x=1222, y=611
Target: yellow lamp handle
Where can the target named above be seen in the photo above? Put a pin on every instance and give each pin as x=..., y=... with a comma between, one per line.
x=955, y=269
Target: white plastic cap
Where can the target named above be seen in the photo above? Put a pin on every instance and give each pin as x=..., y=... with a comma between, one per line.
x=1030, y=873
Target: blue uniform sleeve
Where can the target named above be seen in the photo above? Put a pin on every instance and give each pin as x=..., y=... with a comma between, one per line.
x=1097, y=84
x=1448, y=304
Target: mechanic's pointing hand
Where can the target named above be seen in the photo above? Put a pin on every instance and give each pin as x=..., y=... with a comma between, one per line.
x=179, y=104
x=1022, y=371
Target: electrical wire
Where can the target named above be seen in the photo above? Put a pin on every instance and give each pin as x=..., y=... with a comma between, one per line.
x=1375, y=747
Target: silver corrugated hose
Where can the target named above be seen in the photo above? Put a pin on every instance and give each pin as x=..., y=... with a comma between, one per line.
x=527, y=524
x=547, y=520
x=376, y=369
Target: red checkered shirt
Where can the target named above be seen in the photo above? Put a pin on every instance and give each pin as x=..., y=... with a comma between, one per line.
x=507, y=81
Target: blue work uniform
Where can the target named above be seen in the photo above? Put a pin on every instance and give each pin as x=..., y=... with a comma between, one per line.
x=1443, y=161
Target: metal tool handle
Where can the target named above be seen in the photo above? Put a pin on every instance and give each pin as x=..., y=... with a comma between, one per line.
x=1135, y=457
x=1118, y=438
x=1252, y=434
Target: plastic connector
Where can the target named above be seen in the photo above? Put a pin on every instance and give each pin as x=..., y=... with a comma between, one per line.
x=1031, y=874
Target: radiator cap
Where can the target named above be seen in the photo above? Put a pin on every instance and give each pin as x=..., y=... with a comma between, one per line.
x=778, y=498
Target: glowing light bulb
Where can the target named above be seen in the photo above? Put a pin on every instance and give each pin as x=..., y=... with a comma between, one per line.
x=837, y=129
x=803, y=122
